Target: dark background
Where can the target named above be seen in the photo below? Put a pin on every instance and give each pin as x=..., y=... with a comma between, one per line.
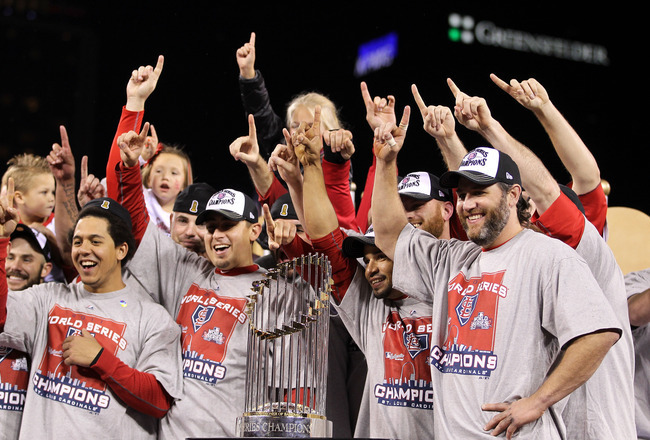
x=68, y=62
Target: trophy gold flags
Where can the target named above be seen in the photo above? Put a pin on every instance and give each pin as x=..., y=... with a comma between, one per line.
x=286, y=371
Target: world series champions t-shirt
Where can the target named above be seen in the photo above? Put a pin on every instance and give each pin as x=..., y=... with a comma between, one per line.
x=500, y=318
x=126, y=322
x=210, y=309
x=395, y=338
x=14, y=379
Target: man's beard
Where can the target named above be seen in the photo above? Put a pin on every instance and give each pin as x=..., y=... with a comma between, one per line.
x=495, y=220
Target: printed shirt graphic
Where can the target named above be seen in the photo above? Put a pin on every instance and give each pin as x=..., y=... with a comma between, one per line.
x=473, y=306
x=14, y=379
x=207, y=323
x=74, y=385
x=407, y=375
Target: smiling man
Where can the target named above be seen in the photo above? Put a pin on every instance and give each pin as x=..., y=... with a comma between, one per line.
x=28, y=260
x=428, y=206
x=104, y=356
x=502, y=302
x=27, y=264
x=187, y=206
x=390, y=328
x=206, y=296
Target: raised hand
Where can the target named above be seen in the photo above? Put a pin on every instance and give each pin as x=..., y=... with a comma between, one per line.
x=60, y=158
x=142, y=83
x=307, y=140
x=90, y=186
x=8, y=213
x=246, y=148
x=438, y=121
x=131, y=145
x=389, y=138
x=284, y=160
x=150, y=144
x=471, y=111
x=528, y=93
x=280, y=232
x=340, y=141
x=379, y=111
x=246, y=58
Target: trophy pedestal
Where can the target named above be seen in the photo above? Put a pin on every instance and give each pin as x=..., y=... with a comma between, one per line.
x=283, y=426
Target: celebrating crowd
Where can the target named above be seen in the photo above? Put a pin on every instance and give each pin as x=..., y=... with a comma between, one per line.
x=481, y=302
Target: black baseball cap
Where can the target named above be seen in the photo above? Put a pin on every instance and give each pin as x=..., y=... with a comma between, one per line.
x=484, y=166
x=353, y=245
x=111, y=206
x=36, y=240
x=283, y=208
x=194, y=198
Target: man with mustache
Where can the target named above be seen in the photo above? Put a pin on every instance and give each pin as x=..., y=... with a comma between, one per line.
x=28, y=263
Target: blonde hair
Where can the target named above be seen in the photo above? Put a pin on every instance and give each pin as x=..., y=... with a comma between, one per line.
x=329, y=114
x=23, y=168
x=169, y=149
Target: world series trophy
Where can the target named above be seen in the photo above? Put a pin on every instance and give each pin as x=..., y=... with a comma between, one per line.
x=286, y=374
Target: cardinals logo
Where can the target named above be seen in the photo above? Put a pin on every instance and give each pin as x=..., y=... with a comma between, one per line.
x=201, y=315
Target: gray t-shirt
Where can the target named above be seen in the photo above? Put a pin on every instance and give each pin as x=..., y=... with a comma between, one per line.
x=637, y=282
x=604, y=406
x=394, y=336
x=500, y=318
x=70, y=401
x=14, y=379
x=210, y=308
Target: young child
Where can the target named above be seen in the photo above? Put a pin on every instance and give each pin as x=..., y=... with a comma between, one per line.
x=164, y=176
x=34, y=200
x=34, y=183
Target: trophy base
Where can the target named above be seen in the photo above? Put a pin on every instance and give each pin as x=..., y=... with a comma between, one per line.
x=283, y=426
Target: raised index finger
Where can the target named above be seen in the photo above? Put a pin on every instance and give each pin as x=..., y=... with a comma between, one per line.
x=144, y=131
x=65, y=143
x=365, y=93
x=418, y=99
x=84, y=168
x=252, y=131
x=252, y=40
x=453, y=87
x=499, y=82
x=11, y=189
x=267, y=217
x=159, y=65
x=316, y=125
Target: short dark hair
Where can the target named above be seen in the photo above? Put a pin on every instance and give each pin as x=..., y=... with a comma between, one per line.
x=119, y=231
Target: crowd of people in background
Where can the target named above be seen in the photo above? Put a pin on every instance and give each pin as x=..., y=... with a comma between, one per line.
x=481, y=302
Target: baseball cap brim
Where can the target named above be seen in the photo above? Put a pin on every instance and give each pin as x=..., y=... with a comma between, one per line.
x=450, y=179
x=354, y=246
x=208, y=213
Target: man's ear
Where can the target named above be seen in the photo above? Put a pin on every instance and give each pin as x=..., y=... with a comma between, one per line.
x=122, y=250
x=514, y=193
x=448, y=210
x=255, y=231
x=45, y=271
